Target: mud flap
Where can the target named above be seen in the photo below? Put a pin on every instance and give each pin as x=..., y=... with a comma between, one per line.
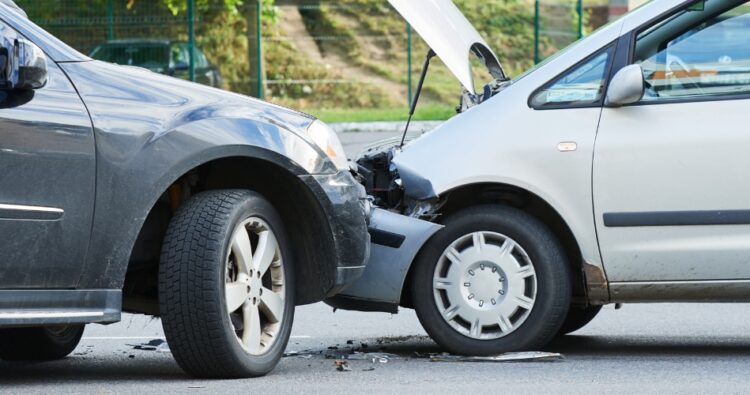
x=396, y=240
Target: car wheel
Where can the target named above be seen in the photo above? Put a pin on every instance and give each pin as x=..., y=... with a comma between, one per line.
x=40, y=343
x=494, y=280
x=578, y=317
x=226, y=285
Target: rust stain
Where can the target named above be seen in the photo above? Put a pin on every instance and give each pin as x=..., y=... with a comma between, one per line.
x=597, y=287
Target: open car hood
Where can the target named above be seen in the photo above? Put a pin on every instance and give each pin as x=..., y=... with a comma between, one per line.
x=447, y=31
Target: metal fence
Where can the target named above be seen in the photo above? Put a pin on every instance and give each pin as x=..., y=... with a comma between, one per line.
x=304, y=53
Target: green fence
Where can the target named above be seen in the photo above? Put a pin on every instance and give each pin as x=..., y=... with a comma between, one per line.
x=558, y=23
x=316, y=55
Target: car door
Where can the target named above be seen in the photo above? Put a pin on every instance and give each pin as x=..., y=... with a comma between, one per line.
x=47, y=176
x=671, y=183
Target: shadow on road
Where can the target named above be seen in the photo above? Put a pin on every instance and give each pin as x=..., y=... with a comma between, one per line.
x=91, y=371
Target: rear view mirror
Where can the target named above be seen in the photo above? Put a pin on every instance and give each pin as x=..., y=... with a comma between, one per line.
x=23, y=66
x=626, y=87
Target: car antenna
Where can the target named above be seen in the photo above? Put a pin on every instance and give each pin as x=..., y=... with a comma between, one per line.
x=415, y=100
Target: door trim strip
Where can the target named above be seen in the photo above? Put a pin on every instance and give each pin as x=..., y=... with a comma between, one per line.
x=33, y=213
x=677, y=218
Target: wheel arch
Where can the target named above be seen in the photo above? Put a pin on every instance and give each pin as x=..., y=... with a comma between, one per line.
x=521, y=198
x=272, y=175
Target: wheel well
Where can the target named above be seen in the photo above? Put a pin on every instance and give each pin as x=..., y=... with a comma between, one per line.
x=472, y=195
x=299, y=209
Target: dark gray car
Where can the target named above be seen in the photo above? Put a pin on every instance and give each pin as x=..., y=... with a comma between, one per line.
x=126, y=190
x=162, y=56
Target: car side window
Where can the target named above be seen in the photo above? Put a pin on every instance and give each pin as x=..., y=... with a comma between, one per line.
x=696, y=53
x=579, y=87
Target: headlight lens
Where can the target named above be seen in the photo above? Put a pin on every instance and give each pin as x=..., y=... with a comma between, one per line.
x=326, y=138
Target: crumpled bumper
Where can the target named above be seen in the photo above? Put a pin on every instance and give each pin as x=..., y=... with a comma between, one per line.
x=396, y=241
x=348, y=211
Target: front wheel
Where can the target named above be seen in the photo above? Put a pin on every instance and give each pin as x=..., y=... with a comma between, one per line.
x=494, y=280
x=39, y=343
x=226, y=285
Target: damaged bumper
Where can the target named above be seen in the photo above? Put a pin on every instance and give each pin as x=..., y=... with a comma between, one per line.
x=396, y=240
x=348, y=211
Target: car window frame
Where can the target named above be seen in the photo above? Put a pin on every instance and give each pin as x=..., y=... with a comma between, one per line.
x=628, y=54
x=612, y=47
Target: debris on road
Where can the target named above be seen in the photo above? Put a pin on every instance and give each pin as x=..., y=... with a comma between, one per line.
x=342, y=365
x=529, y=356
x=158, y=345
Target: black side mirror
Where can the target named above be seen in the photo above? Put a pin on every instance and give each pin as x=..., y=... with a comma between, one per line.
x=23, y=66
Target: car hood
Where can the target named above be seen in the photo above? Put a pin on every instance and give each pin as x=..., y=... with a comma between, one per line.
x=453, y=38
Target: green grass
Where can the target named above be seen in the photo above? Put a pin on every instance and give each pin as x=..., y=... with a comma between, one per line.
x=427, y=112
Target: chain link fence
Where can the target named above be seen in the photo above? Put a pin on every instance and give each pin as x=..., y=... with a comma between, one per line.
x=309, y=54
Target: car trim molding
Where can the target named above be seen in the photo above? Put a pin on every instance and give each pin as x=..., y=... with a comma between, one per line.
x=677, y=218
x=36, y=213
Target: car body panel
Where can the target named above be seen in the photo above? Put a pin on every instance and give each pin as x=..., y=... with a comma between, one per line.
x=678, y=161
x=382, y=283
x=47, y=187
x=447, y=31
x=181, y=126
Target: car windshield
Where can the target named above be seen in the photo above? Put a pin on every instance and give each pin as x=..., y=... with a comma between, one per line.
x=154, y=57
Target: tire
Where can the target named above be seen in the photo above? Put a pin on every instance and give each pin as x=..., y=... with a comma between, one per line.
x=208, y=296
x=39, y=343
x=526, y=282
x=578, y=317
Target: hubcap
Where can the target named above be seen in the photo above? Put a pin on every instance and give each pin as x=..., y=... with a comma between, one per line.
x=254, y=285
x=484, y=285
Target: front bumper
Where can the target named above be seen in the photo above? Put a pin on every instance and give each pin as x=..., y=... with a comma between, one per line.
x=347, y=209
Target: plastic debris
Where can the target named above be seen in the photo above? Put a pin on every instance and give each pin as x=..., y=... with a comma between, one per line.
x=528, y=356
x=158, y=345
x=342, y=366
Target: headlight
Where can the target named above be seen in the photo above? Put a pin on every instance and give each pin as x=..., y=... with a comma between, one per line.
x=326, y=138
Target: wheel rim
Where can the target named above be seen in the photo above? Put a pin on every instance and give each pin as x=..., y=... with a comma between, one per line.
x=254, y=285
x=484, y=285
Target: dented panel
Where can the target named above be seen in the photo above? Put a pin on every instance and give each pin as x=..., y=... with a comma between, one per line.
x=384, y=277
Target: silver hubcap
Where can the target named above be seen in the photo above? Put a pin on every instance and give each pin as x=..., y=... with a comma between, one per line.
x=484, y=285
x=254, y=285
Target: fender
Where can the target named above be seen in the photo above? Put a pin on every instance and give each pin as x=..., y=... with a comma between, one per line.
x=195, y=125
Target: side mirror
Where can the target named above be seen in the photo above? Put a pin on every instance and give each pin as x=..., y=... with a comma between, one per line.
x=23, y=66
x=626, y=87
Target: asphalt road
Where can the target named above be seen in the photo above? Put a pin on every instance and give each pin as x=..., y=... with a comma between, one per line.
x=694, y=348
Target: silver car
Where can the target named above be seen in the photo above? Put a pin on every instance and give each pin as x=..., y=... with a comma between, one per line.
x=614, y=172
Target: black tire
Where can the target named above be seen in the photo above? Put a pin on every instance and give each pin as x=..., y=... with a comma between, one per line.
x=553, y=288
x=39, y=343
x=578, y=317
x=192, y=274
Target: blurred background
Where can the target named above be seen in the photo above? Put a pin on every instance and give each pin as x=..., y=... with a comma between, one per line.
x=343, y=61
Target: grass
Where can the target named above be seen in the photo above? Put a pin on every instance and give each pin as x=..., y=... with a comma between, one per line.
x=426, y=112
